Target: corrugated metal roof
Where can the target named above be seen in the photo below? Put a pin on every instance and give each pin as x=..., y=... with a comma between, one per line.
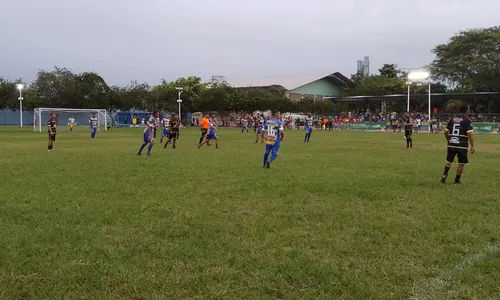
x=289, y=82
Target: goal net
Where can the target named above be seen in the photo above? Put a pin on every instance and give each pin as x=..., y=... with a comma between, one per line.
x=63, y=115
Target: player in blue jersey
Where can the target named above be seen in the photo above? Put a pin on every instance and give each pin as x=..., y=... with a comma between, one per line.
x=260, y=125
x=272, y=135
x=93, y=123
x=211, y=135
x=165, y=123
x=308, y=131
x=148, y=135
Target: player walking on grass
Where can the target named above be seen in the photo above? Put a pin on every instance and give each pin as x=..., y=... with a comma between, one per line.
x=244, y=125
x=165, y=123
x=308, y=131
x=408, y=130
x=272, y=135
x=458, y=134
x=93, y=126
x=148, y=137
x=51, y=124
x=260, y=125
x=71, y=123
x=173, y=132
x=211, y=135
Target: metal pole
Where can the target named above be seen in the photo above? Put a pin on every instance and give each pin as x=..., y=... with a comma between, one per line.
x=21, y=107
x=429, y=106
x=408, y=102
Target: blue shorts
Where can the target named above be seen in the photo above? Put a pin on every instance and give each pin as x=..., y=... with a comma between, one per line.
x=259, y=130
x=308, y=131
x=164, y=132
x=244, y=127
x=273, y=148
x=211, y=136
x=146, y=136
x=93, y=130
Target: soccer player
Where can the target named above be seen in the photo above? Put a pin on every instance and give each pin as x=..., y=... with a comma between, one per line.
x=244, y=125
x=71, y=123
x=173, y=131
x=408, y=130
x=51, y=124
x=93, y=126
x=211, y=135
x=157, y=124
x=434, y=125
x=458, y=134
x=272, y=134
x=260, y=125
x=204, y=125
x=148, y=137
x=164, y=125
x=308, y=132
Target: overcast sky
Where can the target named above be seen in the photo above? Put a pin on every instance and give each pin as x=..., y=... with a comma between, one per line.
x=147, y=40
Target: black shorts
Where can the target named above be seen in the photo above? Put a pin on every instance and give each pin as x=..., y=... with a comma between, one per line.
x=460, y=153
x=408, y=133
x=52, y=137
x=204, y=131
x=172, y=135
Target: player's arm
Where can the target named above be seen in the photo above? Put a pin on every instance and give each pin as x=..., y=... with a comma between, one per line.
x=50, y=129
x=263, y=133
x=447, y=130
x=282, y=132
x=471, y=138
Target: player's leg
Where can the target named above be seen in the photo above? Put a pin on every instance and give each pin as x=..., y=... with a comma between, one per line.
x=49, y=148
x=144, y=144
x=216, y=142
x=266, y=155
x=450, y=157
x=309, y=135
x=205, y=141
x=462, y=161
x=150, y=146
x=410, y=138
x=202, y=136
x=305, y=137
x=274, y=152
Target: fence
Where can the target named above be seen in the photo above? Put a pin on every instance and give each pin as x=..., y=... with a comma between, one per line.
x=11, y=118
x=479, y=127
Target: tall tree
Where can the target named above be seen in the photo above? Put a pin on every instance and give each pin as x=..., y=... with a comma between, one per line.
x=470, y=61
x=389, y=71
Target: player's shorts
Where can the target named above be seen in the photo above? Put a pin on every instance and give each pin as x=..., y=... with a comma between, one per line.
x=273, y=148
x=204, y=131
x=460, y=153
x=211, y=136
x=93, y=130
x=259, y=130
x=52, y=137
x=435, y=127
x=164, y=132
x=309, y=131
x=71, y=125
x=408, y=133
x=244, y=127
x=146, y=138
x=172, y=135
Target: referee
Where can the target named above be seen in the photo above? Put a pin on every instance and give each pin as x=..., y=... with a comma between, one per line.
x=205, y=123
x=51, y=125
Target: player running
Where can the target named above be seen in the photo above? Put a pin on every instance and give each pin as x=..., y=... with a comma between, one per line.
x=71, y=123
x=165, y=123
x=148, y=136
x=51, y=124
x=458, y=134
x=272, y=134
x=93, y=123
x=308, y=131
x=408, y=130
x=211, y=135
x=173, y=131
x=244, y=125
x=260, y=125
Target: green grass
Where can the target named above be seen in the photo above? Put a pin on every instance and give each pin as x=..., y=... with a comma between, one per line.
x=351, y=215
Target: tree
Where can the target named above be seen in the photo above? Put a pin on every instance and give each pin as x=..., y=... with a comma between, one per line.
x=470, y=61
x=389, y=71
x=8, y=94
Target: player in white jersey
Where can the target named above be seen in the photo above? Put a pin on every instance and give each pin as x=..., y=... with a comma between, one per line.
x=165, y=123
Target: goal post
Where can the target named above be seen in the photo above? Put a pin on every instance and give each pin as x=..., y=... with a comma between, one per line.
x=41, y=116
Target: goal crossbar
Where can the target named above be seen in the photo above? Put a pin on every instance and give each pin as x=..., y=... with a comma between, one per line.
x=37, y=115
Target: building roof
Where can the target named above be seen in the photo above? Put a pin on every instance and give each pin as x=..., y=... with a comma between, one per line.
x=421, y=97
x=290, y=82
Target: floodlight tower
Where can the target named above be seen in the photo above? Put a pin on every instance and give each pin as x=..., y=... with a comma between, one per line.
x=20, y=87
x=421, y=75
x=179, y=100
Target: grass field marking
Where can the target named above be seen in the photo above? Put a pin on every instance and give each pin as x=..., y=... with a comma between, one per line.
x=429, y=288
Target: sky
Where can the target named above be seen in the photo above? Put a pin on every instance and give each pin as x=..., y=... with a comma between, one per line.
x=125, y=40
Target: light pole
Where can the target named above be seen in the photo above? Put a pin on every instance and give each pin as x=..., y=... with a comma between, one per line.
x=20, y=88
x=179, y=100
x=422, y=75
x=408, y=104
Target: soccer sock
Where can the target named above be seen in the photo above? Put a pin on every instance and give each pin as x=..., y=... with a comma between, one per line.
x=411, y=142
x=273, y=157
x=457, y=178
x=446, y=170
x=173, y=143
x=166, y=144
x=142, y=147
x=407, y=143
x=150, y=147
x=308, y=137
x=266, y=156
x=305, y=138
x=201, y=140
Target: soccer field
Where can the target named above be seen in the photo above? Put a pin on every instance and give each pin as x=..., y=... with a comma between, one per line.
x=351, y=215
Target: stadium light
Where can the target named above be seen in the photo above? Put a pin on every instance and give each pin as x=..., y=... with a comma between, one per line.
x=408, y=83
x=20, y=88
x=421, y=75
x=179, y=100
